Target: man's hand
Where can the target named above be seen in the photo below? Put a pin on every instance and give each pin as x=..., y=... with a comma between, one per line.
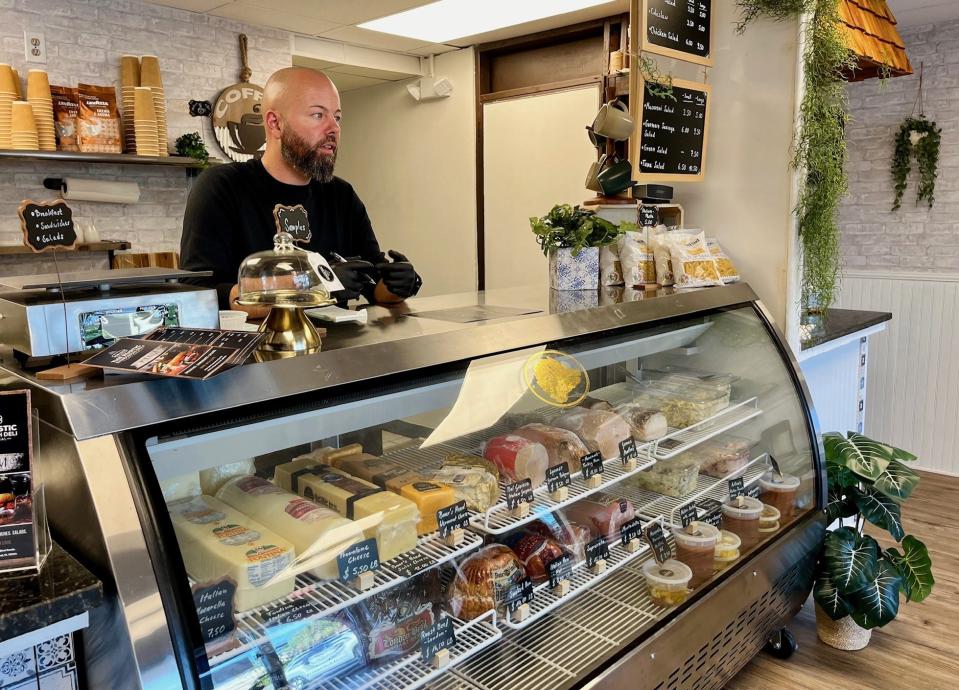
x=398, y=276
x=354, y=274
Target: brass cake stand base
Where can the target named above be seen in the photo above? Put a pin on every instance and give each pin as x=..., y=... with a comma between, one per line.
x=288, y=333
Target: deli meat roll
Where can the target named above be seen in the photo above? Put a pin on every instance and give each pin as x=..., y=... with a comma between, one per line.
x=561, y=445
x=599, y=429
x=647, y=424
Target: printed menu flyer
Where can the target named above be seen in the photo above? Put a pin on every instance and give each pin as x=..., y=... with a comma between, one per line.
x=189, y=353
x=17, y=545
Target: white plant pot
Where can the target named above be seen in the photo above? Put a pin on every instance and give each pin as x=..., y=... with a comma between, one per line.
x=843, y=634
x=568, y=272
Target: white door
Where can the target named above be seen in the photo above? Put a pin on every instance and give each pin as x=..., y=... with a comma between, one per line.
x=535, y=154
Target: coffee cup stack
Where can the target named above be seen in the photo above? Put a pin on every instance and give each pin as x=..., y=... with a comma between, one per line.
x=145, y=122
x=129, y=81
x=23, y=132
x=38, y=95
x=150, y=77
x=8, y=94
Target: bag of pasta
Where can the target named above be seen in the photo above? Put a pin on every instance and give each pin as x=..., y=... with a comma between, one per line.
x=693, y=263
x=727, y=270
x=610, y=270
x=659, y=242
x=636, y=259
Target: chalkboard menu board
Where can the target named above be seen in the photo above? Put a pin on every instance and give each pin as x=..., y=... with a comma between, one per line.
x=678, y=29
x=671, y=145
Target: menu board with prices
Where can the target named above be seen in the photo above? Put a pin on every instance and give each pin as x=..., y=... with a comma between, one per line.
x=679, y=29
x=673, y=133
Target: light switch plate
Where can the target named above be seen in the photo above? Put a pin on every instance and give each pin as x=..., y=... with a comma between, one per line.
x=35, y=46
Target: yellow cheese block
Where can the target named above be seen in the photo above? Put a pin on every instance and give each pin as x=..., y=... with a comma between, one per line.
x=354, y=498
x=380, y=471
x=216, y=540
x=428, y=497
x=310, y=527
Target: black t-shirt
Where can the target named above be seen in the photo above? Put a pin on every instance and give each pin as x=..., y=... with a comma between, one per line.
x=230, y=215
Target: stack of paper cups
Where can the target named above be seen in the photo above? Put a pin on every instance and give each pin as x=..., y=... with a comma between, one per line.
x=23, y=133
x=38, y=95
x=144, y=122
x=129, y=81
x=8, y=94
x=150, y=77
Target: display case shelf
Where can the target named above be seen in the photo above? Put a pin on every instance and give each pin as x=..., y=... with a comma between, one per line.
x=680, y=440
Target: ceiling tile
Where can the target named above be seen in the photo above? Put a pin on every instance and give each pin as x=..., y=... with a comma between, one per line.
x=340, y=11
x=383, y=74
x=351, y=82
x=433, y=49
x=193, y=5
x=243, y=11
x=372, y=39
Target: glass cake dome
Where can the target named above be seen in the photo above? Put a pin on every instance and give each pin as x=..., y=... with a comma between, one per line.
x=281, y=277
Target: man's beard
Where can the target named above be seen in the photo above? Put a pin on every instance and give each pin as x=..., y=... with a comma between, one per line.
x=308, y=160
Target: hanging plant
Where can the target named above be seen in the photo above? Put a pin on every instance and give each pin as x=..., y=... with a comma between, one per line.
x=819, y=148
x=919, y=138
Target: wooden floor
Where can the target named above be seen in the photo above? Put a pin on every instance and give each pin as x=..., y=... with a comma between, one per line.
x=919, y=650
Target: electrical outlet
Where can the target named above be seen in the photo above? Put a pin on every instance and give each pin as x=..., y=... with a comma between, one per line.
x=35, y=46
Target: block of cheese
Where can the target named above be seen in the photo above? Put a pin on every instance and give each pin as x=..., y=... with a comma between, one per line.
x=217, y=541
x=600, y=429
x=308, y=526
x=185, y=486
x=476, y=486
x=353, y=498
x=428, y=497
x=380, y=471
x=328, y=455
x=212, y=479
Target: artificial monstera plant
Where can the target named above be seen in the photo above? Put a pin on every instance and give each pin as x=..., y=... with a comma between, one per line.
x=868, y=481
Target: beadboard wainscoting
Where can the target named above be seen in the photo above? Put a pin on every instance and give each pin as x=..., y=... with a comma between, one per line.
x=912, y=400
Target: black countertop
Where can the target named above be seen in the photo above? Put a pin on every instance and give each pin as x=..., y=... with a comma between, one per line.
x=62, y=589
x=837, y=323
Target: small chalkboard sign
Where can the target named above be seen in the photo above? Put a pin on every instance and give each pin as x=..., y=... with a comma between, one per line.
x=410, y=563
x=519, y=594
x=688, y=514
x=592, y=464
x=47, y=225
x=557, y=477
x=648, y=216
x=436, y=638
x=631, y=529
x=452, y=517
x=294, y=220
x=290, y=612
x=596, y=550
x=559, y=569
x=752, y=491
x=673, y=133
x=711, y=512
x=627, y=450
x=517, y=493
x=358, y=559
x=679, y=29
x=736, y=487
x=214, y=602
x=656, y=539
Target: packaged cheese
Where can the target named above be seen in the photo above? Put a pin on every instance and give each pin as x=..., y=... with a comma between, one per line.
x=185, y=486
x=379, y=471
x=353, y=498
x=217, y=541
x=429, y=497
x=212, y=479
x=311, y=528
x=476, y=486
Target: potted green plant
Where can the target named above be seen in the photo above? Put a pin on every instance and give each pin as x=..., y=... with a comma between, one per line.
x=858, y=583
x=570, y=237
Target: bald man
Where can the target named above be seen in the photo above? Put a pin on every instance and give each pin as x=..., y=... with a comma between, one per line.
x=235, y=209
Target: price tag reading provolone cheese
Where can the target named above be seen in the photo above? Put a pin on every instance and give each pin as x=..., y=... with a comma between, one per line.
x=452, y=517
x=592, y=465
x=436, y=638
x=518, y=492
x=557, y=477
x=358, y=559
x=596, y=550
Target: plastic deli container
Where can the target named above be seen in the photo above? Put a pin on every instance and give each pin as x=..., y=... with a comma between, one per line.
x=668, y=582
x=676, y=477
x=696, y=547
x=741, y=516
x=684, y=404
x=723, y=456
x=726, y=550
x=779, y=492
x=769, y=520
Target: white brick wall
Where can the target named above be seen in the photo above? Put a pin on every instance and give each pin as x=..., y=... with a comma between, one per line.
x=199, y=56
x=914, y=238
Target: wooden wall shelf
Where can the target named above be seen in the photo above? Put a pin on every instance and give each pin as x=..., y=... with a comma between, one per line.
x=106, y=158
x=80, y=247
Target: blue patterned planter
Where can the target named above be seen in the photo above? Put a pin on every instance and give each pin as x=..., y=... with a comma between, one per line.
x=568, y=272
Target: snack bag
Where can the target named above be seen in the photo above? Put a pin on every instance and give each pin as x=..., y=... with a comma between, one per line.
x=727, y=270
x=98, y=122
x=662, y=256
x=610, y=270
x=65, y=109
x=636, y=259
x=693, y=263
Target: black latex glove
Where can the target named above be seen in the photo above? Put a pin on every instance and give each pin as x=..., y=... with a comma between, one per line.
x=398, y=276
x=354, y=274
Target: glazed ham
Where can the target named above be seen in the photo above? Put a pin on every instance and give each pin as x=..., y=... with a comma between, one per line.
x=518, y=458
x=599, y=429
x=561, y=445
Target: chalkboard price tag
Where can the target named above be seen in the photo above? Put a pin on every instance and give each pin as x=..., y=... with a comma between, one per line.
x=410, y=563
x=736, y=487
x=678, y=29
x=656, y=539
x=688, y=514
x=648, y=216
x=214, y=607
x=592, y=464
x=452, y=517
x=358, y=559
x=518, y=492
x=627, y=450
x=559, y=569
x=596, y=550
x=290, y=612
x=436, y=638
x=753, y=491
x=712, y=512
x=631, y=529
x=519, y=594
x=47, y=225
x=557, y=477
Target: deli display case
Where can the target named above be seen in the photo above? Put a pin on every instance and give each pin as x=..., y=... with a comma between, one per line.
x=629, y=494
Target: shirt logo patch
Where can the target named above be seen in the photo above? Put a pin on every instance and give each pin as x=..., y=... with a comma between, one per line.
x=294, y=220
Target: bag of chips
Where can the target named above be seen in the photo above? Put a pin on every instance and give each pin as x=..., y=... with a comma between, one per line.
x=693, y=263
x=727, y=270
x=98, y=121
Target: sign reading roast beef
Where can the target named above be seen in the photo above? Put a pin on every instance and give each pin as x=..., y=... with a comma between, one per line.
x=237, y=116
x=678, y=29
x=673, y=133
x=47, y=225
